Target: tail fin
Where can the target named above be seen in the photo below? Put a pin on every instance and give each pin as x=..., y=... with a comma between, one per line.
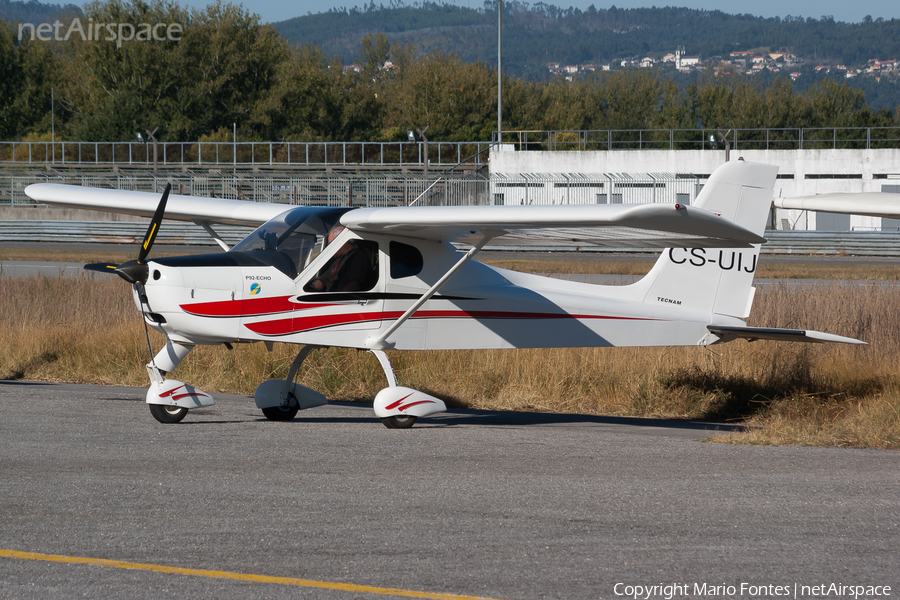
x=711, y=280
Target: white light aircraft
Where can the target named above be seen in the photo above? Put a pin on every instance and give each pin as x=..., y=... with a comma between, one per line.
x=391, y=279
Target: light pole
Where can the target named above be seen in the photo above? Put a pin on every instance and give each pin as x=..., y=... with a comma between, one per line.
x=53, y=124
x=412, y=137
x=143, y=141
x=499, y=77
x=723, y=138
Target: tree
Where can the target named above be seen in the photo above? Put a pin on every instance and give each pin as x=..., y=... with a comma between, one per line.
x=305, y=102
x=455, y=99
x=28, y=69
x=210, y=76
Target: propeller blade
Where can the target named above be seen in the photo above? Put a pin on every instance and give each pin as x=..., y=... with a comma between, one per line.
x=101, y=267
x=134, y=271
x=154, y=225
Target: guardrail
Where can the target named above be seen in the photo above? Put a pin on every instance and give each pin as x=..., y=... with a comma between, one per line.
x=440, y=154
x=295, y=187
x=820, y=243
x=799, y=138
x=244, y=154
x=173, y=233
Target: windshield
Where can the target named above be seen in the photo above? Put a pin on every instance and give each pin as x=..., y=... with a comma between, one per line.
x=291, y=240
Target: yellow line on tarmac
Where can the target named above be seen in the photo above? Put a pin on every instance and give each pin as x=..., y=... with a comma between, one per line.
x=327, y=585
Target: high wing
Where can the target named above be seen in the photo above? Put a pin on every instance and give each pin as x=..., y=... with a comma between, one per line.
x=640, y=225
x=143, y=204
x=648, y=225
x=871, y=204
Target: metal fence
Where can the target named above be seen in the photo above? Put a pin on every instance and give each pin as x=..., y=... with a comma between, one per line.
x=243, y=154
x=297, y=188
x=440, y=154
x=379, y=188
x=816, y=138
x=593, y=188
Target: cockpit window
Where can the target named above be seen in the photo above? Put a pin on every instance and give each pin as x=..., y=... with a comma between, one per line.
x=291, y=240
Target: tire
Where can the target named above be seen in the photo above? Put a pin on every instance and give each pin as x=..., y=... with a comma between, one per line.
x=399, y=422
x=168, y=414
x=277, y=413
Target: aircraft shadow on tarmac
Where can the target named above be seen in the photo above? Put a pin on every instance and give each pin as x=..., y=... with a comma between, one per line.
x=490, y=418
x=459, y=417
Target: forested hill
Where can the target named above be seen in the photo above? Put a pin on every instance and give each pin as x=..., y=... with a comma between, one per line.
x=534, y=35
x=35, y=12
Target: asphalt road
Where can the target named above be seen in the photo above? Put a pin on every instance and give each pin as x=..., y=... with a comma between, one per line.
x=470, y=503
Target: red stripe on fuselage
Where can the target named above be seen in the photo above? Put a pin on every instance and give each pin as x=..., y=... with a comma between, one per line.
x=247, y=307
x=301, y=324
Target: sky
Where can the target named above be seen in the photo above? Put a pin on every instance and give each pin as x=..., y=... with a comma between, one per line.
x=850, y=12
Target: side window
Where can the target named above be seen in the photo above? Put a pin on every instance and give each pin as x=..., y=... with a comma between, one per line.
x=406, y=260
x=353, y=268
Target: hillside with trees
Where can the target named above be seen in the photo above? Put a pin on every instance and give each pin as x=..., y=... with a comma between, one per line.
x=536, y=34
x=35, y=12
x=227, y=69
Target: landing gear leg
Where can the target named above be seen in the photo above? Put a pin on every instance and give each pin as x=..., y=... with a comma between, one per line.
x=393, y=421
x=287, y=400
x=171, y=399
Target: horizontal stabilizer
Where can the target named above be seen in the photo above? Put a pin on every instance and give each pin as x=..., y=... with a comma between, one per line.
x=727, y=334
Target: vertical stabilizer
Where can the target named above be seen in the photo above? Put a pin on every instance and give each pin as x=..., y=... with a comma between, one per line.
x=718, y=280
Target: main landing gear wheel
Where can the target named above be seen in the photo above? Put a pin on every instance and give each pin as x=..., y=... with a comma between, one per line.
x=167, y=414
x=277, y=413
x=399, y=422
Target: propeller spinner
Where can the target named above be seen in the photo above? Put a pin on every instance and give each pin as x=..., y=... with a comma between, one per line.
x=136, y=271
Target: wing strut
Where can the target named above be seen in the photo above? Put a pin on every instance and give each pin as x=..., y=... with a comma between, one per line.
x=380, y=343
x=215, y=236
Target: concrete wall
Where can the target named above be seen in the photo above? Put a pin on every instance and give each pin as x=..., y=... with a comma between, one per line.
x=801, y=172
x=38, y=213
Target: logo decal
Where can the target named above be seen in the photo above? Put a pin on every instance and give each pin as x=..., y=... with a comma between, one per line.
x=255, y=289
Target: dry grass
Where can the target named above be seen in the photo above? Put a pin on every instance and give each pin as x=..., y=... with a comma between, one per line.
x=82, y=331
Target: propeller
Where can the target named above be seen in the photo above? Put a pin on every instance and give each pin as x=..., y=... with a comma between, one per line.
x=136, y=271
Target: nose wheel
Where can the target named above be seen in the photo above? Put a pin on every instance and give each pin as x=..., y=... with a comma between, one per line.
x=167, y=414
x=399, y=422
